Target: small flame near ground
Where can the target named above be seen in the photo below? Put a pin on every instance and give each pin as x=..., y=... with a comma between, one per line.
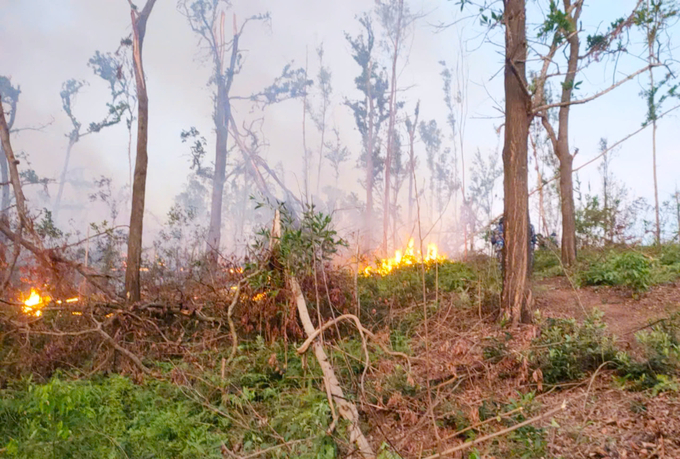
x=34, y=304
x=407, y=257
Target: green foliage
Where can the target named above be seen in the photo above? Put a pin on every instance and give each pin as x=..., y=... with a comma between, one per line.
x=565, y=351
x=628, y=269
x=547, y=263
x=304, y=242
x=113, y=417
x=106, y=418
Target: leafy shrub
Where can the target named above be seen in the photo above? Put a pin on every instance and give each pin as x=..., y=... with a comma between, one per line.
x=565, y=351
x=628, y=269
x=547, y=263
x=661, y=357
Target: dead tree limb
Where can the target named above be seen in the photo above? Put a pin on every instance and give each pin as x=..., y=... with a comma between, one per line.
x=346, y=409
x=50, y=257
x=362, y=330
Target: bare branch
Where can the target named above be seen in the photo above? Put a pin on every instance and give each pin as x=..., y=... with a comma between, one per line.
x=597, y=95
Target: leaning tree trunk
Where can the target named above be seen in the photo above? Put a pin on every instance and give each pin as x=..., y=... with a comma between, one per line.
x=516, y=295
x=134, y=255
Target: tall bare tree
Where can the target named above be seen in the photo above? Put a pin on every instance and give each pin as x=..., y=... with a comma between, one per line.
x=391, y=14
x=516, y=294
x=134, y=255
x=654, y=19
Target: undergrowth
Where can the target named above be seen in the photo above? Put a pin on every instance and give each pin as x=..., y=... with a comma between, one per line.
x=568, y=351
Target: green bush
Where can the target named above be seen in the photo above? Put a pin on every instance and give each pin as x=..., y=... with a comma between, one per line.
x=628, y=269
x=565, y=350
x=547, y=263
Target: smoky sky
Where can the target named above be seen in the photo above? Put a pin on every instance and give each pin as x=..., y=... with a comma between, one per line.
x=46, y=42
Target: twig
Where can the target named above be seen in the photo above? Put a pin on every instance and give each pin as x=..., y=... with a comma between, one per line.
x=499, y=433
x=592, y=379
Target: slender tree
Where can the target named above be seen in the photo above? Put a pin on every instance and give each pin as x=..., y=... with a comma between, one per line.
x=391, y=14
x=654, y=19
x=9, y=96
x=108, y=67
x=369, y=114
x=134, y=255
x=411, y=126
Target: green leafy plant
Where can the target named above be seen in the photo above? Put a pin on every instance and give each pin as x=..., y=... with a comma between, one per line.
x=565, y=351
x=628, y=269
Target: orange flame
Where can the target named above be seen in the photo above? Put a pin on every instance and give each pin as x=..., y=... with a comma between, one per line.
x=406, y=257
x=34, y=304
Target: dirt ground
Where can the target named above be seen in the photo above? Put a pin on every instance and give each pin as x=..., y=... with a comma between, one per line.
x=623, y=313
x=600, y=420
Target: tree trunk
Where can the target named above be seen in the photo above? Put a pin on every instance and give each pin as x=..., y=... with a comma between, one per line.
x=563, y=154
x=390, y=129
x=657, y=232
x=134, y=256
x=222, y=133
x=223, y=117
x=73, y=139
x=368, y=215
x=568, y=211
x=516, y=295
x=4, y=179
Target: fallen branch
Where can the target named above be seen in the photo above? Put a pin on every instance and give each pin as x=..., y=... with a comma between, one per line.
x=362, y=330
x=346, y=409
x=499, y=433
x=97, y=329
x=47, y=257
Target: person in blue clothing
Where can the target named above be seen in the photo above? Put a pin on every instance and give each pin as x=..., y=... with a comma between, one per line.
x=498, y=242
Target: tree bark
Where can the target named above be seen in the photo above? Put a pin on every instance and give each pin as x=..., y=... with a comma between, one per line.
x=134, y=256
x=12, y=163
x=516, y=295
x=412, y=165
x=390, y=129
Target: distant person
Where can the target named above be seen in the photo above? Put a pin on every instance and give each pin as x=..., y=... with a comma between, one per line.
x=498, y=242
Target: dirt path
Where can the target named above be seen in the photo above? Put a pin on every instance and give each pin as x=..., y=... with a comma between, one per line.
x=623, y=314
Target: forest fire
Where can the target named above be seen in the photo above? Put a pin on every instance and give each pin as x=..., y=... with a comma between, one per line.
x=406, y=257
x=34, y=303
